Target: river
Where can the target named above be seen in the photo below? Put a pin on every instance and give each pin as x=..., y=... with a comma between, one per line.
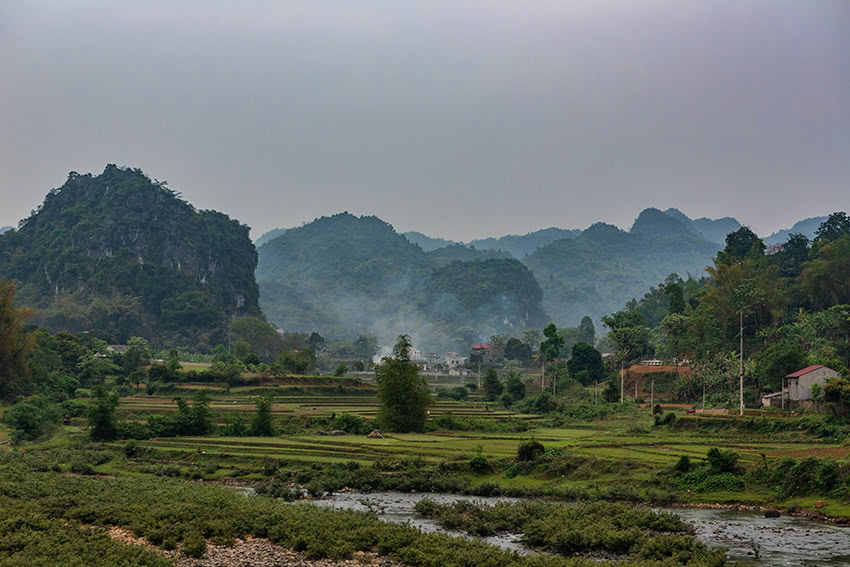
x=786, y=540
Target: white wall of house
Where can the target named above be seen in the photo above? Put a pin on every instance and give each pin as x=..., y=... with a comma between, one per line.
x=800, y=388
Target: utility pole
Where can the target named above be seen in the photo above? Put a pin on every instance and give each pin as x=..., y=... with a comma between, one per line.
x=703, y=395
x=741, y=362
x=622, y=383
x=479, y=374
x=595, y=391
x=652, y=396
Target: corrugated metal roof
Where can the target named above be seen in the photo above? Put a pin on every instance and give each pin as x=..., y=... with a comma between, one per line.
x=805, y=370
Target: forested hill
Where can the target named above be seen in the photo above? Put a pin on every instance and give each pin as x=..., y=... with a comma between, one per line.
x=5, y=229
x=120, y=252
x=345, y=275
x=596, y=273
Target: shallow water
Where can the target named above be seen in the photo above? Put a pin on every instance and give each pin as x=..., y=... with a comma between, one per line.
x=785, y=540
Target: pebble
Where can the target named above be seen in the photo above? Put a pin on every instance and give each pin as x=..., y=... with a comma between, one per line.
x=253, y=552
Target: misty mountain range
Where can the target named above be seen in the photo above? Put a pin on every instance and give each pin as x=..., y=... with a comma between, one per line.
x=121, y=252
x=349, y=275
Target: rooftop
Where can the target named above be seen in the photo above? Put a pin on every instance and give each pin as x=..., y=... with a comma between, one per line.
x=805, y=370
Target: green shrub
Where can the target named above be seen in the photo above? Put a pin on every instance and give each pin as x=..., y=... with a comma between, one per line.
x=194, y=544
x=530, y=450
x=478, y=463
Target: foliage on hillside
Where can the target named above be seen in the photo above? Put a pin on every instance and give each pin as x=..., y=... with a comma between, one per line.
x=119, y=251
x=794, y=304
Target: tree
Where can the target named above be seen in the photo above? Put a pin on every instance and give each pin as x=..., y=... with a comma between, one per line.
x=366, y=346
x=492, y=386
x=340, y=369
x=585, y=364
x=16, y=344
x=514, y=385
x=825, y=280
x=515, y=349
x=552, y=344
x=675, y=329
x=833, y=228
x=316, y=341
x=257, y=336
x=676, y=295
x=794, y=253
x=630, y=337
x=532, y=338
x=101, y=415
x=403, y=394
x=627, y=331
x=586, y=331
x=740, y=244
x=777, y=361
x=262, y=425
x=138, y=354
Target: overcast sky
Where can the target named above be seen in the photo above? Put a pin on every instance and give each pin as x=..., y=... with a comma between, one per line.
x=458, y=119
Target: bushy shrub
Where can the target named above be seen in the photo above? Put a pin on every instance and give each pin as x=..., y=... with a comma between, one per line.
x=530, y=450
x=722, y=461
x=194, y=544
x=478, y=463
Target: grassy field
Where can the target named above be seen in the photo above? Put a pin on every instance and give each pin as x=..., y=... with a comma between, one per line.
x=625, y=449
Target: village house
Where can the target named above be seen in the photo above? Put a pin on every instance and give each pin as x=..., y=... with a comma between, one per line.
x=453, y=360
x=797, y=386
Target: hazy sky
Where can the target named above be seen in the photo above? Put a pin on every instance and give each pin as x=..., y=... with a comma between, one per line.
x=458, y=119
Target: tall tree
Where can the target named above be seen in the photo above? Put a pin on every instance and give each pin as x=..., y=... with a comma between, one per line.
x=101, y=416
x=262, y=424
x=403, y=394
x=585, y=364
x=492, y=386
x=16, y=344
x=553, y=343
x=138, y=354
x=586, y=331
x=515, y=349
x=834, y=227
x=794, y=253
x=740, y=244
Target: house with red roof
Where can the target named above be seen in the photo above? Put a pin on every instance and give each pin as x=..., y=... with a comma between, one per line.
x=797, y=386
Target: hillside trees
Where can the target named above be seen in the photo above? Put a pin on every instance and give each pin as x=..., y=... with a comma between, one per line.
x=260, y=338
x=122, y=253
x=403, y=394
x=16, y=344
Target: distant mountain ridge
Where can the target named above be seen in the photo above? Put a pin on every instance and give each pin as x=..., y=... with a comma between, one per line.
x=596, y=273
x=5, y=229
x=807, y=227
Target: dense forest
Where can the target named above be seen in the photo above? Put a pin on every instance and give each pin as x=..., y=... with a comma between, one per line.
x=126, y=255
x=792, y=302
